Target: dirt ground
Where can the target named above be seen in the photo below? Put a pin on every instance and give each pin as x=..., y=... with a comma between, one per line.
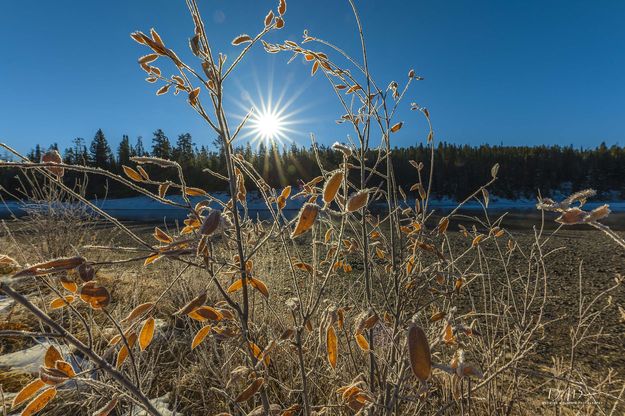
x=572, y=252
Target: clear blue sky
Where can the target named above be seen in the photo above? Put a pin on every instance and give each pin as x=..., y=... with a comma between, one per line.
x=511, y=72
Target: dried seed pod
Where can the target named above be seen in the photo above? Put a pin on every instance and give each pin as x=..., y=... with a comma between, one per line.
x=305, y=219
x=419, y=352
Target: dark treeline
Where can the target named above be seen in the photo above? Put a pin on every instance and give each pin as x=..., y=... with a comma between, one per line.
x=458, y=169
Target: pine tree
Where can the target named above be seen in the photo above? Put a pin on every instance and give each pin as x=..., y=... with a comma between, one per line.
x=183, y=152
x=124, y=151
x=139, y=150
x=100, y=151
x=161, y=147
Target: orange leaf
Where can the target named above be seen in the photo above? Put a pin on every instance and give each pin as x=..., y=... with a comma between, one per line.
x=362, y=342
x=419, y=351
x=241, y=39
x=250, y=390
x=305, y=219
x=59, y=303
x=396, y=127
x=39, y=402
x=259, y=285
x=146, y=334
x=332, y=186
x=199, y=337
x=52, y=356
x=332, y=346
x=27, y=392
x=162, y=236
x=132, y=174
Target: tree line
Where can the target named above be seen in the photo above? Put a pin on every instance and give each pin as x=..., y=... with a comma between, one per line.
x=458, y=169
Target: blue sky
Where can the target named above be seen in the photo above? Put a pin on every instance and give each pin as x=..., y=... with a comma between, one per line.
x=511, y=72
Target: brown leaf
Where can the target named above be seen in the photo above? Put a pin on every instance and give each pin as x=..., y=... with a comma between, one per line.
x=59, y=303
x=396, y=127
x=204, y=313
x=132, y=174
x=332, y=186
x=259, y=285
x=200, y=336
x=353, y=89
x=163, y=89
x=162, y=189
x=53, y=156
x=305, y=219
x=332, y=346
x=211, y=222
x=250, y=390
x=27, y=392
x=282, y=7
x=162, y=236
x=419, y=352
x=146, y=334
x=269, y=18
x=494, y=170
x=362, y=342
x=193, y=304
x=137, y=312
x=357, y=201
x=241, y=39
x=51, y=266
x=237, y=285
x=195, y=192
x=52, y=356
x=65, y=367
x=95, y=295
x=39, y=402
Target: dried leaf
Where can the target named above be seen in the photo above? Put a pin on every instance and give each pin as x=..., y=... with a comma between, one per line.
x=494, y=170
x=162, y=236
x=362, y=342
x=282, y=7
x=269, y=18
x=27, y=392
x=211, y=222
x=53, y=156
x=237, y=285
x=250, y=390
x=241, y=39
x=95, y=295
x=195, y=191
x=332, y=346
x=137, y=312
x=357, y=200
x=132, y=174
x=61, y=302
x=193, y=304
x=419, y=352
x=305, y=219
x=65, y=367
x=39, y=402
x=200, y=336
x=146, y=334
x=51, y=266
x=52, y=356
x=259, y=285
x=397, y=126
x=332, y=186
x=162, y=189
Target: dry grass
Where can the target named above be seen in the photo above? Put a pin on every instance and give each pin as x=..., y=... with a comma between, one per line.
x=338, y=311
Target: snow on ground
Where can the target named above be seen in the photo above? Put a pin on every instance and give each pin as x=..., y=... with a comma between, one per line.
x=143, y=208
x=28, y=360
x=161, y=404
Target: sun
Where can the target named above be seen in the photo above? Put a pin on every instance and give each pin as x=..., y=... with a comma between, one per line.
x=268, y=126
